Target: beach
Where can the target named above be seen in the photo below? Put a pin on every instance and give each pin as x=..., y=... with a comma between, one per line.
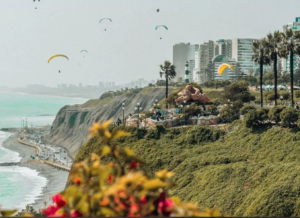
x=56, y=179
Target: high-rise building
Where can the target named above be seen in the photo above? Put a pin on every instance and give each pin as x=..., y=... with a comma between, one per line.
x=286, y=62
x=181, y=54
x=191, y=69
x=242, y=53
x=207, y=53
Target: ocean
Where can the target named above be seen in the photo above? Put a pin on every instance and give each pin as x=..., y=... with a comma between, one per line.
x=16, y=182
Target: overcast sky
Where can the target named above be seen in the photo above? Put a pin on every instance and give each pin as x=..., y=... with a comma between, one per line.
x=130, y=48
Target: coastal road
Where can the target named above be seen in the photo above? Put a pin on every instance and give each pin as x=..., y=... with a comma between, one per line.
x=58, y=165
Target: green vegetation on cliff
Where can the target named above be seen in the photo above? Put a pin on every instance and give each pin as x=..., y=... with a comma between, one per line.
x=244, y=173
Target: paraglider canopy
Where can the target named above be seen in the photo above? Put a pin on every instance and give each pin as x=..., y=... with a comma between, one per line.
x=105, y=19
x=223, y=67
x=84, y=50
x=58, y=55
x=158, y=26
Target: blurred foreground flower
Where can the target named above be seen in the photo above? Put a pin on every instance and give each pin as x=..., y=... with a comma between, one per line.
x=118, y=189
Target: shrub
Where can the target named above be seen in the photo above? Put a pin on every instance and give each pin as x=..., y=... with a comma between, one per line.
x=274, y=113
x=119, y=188
x=288, y=115
x=228, y=114
x=297, y=94
x=213, y=109
x=286, y=95
x=262, y=114
x=251, y=119
x=244, y=110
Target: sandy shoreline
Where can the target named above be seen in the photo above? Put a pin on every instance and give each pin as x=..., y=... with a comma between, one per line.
x=56, y=178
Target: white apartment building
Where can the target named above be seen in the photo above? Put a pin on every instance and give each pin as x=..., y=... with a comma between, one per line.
x=242, y=53
x=207, y=53
x=181, y=54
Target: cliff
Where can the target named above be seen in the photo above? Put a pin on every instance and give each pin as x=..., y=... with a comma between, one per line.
x=71, y=126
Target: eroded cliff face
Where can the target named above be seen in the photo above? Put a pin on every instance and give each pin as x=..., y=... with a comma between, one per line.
x=70, y=128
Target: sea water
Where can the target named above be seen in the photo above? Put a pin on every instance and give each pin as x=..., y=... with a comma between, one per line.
x=39, y=110
x=20, y=186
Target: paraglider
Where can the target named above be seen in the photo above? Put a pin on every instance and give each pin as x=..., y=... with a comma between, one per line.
x=58, y=55
x=84, y=51
x=34, y=1
x=158, y=26
x=105, y=19
x=157, y=10
x=223, y=67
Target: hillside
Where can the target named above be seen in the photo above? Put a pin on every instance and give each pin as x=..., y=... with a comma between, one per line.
x=71, y=125
x=243, y=173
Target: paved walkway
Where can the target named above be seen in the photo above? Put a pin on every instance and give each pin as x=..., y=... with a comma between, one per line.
x=54, y=164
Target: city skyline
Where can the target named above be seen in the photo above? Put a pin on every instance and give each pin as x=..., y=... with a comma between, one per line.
x=65, y=27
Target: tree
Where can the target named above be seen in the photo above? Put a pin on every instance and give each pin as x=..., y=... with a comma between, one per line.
x=289, y=48
x=180, y=80
x=272, y=48
x=168, y=71
x=237, y=92
x=251, y=72
x=260, y=57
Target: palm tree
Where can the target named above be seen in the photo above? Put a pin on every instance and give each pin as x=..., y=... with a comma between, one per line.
x=168, y=70
x=272, y=47
x=260, y=57
x=289, y=46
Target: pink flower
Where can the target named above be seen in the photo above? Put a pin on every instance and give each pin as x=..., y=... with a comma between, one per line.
x=163, y=205
x=58, y=199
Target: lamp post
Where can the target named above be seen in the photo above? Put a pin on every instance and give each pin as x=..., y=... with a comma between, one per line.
x=228, y=107
x=123, y=108
x=281, y=98
x=156, y=103
x=138, y=108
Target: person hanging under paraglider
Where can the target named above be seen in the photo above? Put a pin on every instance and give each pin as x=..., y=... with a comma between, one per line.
x=59, y=71
x=157, y=10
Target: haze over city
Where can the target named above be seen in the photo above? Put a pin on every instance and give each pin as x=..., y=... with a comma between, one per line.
x=130, y=48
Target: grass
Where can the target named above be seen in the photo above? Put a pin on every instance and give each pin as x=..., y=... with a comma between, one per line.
x=243, y=173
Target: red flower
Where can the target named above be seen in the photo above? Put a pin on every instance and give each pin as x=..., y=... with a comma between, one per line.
x=76, y=213
x=58, y=199
x=144, y=200
x=77, y=181
x=50, y=211
x=164, y=205
x=133, y=165
x=134, y=208
x=110, y=179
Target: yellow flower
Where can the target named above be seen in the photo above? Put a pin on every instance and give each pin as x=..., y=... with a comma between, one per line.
x=98, y=127
x=164, y=174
